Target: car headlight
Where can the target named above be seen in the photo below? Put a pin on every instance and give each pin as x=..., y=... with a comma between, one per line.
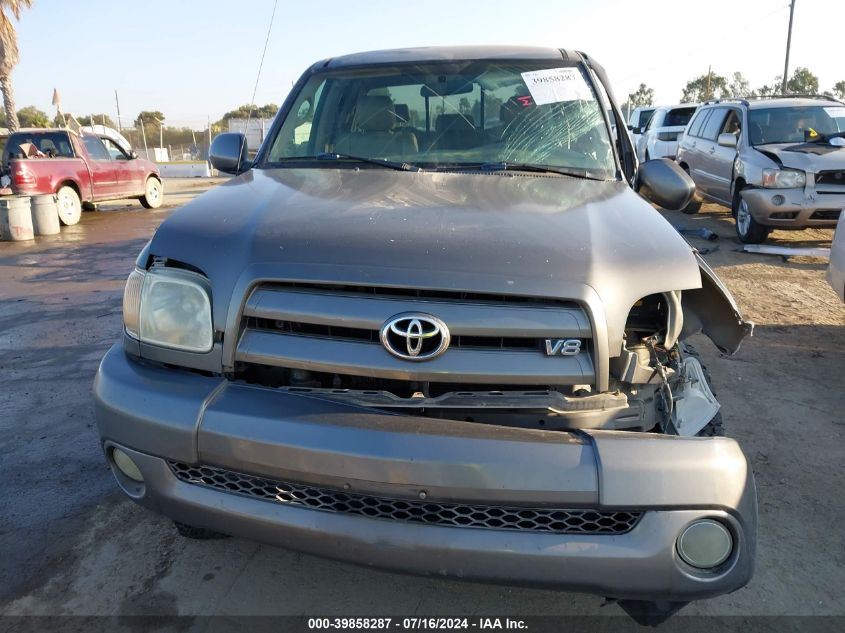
x=170, y=308
x=783, y=178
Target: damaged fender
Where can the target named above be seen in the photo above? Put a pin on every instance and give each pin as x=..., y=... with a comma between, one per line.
x=711, y=309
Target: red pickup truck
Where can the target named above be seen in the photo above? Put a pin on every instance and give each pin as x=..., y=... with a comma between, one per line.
x=80, y=169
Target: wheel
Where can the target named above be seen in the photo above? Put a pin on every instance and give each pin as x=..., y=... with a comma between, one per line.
x=747, y=228
x=153, y=193
x=693, y=206
x=648, y=613
x=695, y=202
x=69, y=205
x=197, y=533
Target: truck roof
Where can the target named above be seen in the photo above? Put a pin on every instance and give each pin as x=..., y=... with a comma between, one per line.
x=41, y=130
x=448, y=53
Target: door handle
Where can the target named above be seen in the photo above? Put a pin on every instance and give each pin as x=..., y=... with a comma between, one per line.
x=712, y=150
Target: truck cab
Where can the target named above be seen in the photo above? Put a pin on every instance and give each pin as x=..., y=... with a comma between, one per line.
x=78, y=168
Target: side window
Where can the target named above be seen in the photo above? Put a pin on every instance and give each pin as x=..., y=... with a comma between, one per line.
x=645, y=117
x=114, y=150
x=95, y=147
x=714, y=124
x=698, y=122
x=733, y=123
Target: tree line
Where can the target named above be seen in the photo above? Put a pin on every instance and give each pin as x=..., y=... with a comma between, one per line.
x=150, y=120
x=714, y=86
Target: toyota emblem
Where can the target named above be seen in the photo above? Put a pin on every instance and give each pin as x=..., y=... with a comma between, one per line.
x=415, y=336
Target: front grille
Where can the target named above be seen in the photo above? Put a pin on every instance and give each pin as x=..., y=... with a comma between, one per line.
x=832, y=177
x=372, y=336
x=291, y=332
x=425, y=294
x=557, y=521
x=826, y=214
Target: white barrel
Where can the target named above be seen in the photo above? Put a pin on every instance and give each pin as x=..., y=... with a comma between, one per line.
x=45, y=215
x=16, y=218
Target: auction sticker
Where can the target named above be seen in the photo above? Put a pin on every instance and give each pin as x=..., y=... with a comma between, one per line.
x=836, y=112
x=552, y=85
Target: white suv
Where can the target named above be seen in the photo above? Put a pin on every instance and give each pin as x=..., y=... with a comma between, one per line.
x=667, y=124
x=638, y=121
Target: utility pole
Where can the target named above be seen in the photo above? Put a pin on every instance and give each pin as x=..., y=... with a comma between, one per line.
x=709, y=74
x=117, y=102
x=788, y=44
x=144, y=134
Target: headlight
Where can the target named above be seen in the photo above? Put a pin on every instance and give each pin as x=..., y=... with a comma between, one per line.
x=783, y=178
x=170, y=308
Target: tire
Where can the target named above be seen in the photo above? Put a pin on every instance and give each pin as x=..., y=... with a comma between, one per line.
x=89, y=206
x=197, y=533
x=714, y=428
x=747, y=228
x=693, y=207
x=650, y=613
x=153, y=193
x=69, y=205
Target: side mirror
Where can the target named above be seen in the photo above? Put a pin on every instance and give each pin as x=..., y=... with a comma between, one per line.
x=133, y=154
x=636, y=130
x=664, y=183
x=228, y=153
x=727, y=140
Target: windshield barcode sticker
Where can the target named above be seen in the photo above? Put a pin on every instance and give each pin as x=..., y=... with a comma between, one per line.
x=553, y=85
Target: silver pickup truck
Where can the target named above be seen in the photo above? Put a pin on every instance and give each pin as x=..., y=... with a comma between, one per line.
x=431, y=327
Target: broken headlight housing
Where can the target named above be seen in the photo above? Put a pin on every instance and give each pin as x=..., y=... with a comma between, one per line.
x=783, y=178
x=169, y=307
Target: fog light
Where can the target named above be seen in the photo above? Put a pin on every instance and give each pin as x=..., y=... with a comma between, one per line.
x=125, y=464
x=778, y=200
x=705, y=544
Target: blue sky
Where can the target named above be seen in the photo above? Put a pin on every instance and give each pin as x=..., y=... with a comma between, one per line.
x=194, y=59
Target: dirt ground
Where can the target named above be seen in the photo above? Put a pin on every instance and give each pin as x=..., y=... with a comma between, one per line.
x=71, y=544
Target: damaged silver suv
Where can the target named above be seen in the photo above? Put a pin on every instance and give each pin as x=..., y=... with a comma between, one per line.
x=431, y=327
x=776, y=163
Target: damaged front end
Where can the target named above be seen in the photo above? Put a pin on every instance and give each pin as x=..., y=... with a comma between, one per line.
x=505, y=365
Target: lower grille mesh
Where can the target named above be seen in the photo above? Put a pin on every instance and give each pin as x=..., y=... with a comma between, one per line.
x=558, y=521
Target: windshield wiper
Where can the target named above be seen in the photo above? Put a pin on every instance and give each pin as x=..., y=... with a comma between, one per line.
x=367, y=159
x=505, y=166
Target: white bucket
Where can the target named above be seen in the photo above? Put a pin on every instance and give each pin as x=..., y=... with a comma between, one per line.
x=45, y=215
x=16, y=218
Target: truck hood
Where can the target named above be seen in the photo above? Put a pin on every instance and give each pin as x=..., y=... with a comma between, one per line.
x=805, y=156
x=504, y=233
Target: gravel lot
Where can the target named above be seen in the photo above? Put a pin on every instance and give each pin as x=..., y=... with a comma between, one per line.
x=71, y=544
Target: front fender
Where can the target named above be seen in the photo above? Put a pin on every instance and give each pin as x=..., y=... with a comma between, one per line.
x=712, y=309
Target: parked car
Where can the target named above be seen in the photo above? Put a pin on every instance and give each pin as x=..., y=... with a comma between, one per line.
x=776, y=163
x=437, y=347
x=665, y=127
x=80, y=169
x=638, y=121
x=836, y=267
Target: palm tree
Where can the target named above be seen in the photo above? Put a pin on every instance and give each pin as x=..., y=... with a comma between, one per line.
x=9, y=55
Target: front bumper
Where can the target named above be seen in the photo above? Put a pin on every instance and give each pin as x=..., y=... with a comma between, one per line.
x=158, y=415
x=796, y=211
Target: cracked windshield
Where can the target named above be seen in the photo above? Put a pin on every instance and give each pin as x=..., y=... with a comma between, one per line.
x=451, y=116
